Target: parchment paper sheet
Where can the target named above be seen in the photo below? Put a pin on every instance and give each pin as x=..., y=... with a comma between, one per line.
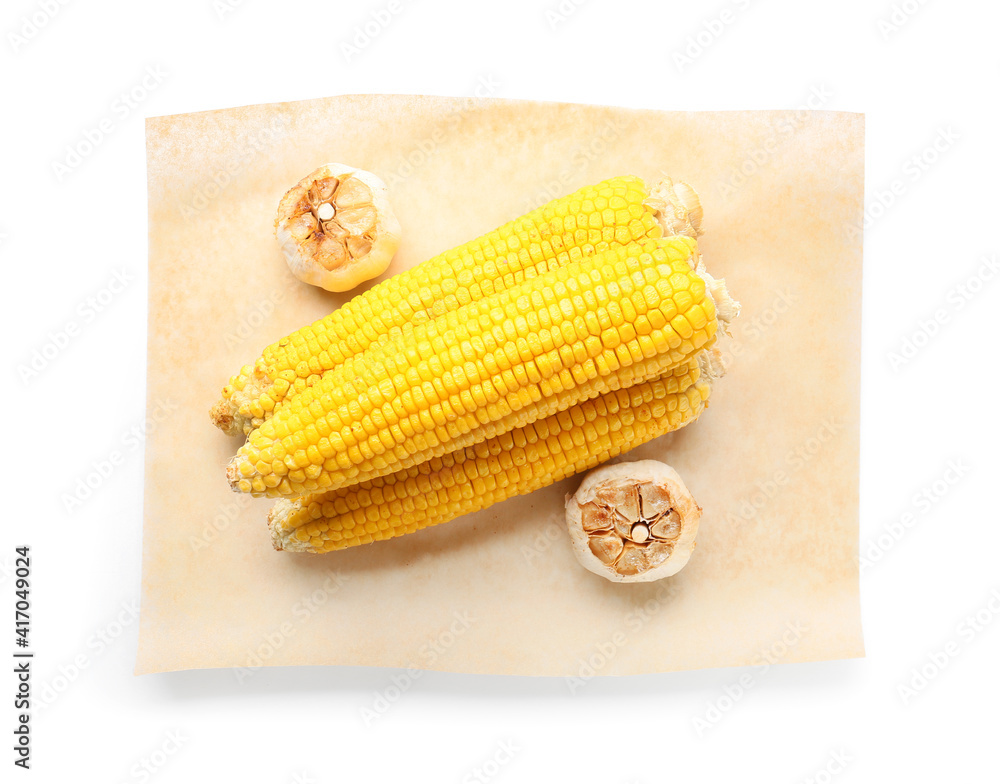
x=773, y=461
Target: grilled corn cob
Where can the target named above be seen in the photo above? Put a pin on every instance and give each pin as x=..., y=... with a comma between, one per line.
x=414, y=396
x=518, y=462
x=613, y=212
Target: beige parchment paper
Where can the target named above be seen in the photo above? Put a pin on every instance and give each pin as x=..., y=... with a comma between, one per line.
x=773, y=461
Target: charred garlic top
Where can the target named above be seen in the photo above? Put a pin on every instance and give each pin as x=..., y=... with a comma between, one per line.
x=336, y=227
x=633, y=522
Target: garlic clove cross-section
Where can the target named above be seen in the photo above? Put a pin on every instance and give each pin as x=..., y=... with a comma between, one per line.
x=633, y=522
x=336, y=227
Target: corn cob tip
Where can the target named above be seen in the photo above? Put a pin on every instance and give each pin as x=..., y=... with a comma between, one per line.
x=711, y=364
x=234, y=476
x=279, y=533
x=677, y=208
x=224, y=417
x=726, y=308
x=282, y=527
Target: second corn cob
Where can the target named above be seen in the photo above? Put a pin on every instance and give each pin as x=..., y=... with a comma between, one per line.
x=518, y=462
x=450, y=376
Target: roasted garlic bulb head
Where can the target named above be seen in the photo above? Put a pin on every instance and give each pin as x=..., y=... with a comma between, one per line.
x=336, y=228
x=633, y=522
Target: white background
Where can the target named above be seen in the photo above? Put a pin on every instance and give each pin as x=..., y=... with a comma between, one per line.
x=932, y=76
